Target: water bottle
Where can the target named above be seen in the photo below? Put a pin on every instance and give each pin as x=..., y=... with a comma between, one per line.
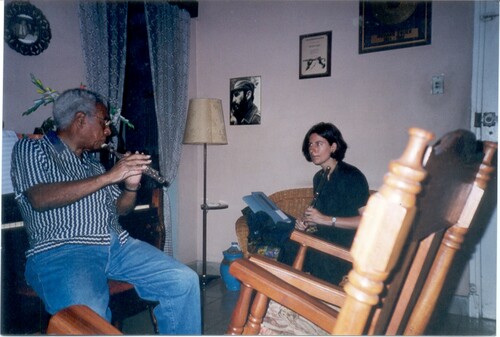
x=232, y=253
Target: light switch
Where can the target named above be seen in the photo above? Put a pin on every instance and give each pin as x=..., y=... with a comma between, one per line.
x=437, y=85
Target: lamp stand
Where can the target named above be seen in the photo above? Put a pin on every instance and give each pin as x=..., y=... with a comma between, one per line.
x=204, y=278
x=205, y=125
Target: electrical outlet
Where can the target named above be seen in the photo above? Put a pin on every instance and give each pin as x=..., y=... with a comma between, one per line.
x=437, y=85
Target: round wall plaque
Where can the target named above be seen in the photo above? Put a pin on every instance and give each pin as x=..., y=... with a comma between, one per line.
x=27, y=31
x=393, y=12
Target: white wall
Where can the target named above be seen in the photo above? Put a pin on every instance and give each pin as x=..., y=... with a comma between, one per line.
x=373, y=98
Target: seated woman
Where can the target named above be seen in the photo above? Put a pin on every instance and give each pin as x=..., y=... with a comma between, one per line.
x=340, y=191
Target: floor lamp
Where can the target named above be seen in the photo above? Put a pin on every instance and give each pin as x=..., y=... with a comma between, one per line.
x=205, y=125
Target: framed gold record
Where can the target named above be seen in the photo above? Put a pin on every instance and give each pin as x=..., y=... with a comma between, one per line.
x=385, y=25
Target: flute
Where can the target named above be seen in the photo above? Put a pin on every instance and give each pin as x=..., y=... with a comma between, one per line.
x=149, y=171
x=314, y=228
x=320, y=186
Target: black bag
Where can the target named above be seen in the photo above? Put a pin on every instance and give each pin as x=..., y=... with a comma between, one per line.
x=262, y=228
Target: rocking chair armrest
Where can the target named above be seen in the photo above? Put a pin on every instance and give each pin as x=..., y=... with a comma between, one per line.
x=305, y=239
x=315, y=287
x=256, y=278
x=80, y=320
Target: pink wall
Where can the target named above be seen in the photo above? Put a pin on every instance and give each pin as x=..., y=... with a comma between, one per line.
x=373, y=98
x=60, y=66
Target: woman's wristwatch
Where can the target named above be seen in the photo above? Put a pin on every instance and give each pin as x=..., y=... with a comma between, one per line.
x=334, y=220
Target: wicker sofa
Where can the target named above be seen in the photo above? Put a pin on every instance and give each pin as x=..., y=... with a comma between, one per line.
x=292, y=201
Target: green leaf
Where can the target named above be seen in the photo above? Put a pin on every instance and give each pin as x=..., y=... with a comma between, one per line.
x=49, y=95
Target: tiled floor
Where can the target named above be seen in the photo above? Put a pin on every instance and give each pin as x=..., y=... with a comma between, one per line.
x=455, y=325
x=218, y=306
x=219, y=303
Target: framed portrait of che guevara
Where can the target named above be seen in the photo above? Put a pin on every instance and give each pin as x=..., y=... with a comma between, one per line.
x=244, y=100
x=385, y=25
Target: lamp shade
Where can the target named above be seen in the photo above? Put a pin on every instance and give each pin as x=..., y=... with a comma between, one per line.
x=205, y=122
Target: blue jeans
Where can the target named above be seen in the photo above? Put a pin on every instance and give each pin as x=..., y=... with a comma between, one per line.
x=78, y=274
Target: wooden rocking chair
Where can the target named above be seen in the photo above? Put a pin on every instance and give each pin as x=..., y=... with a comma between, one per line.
x=400, y=255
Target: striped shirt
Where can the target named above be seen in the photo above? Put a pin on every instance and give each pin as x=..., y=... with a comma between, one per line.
x=86, y=221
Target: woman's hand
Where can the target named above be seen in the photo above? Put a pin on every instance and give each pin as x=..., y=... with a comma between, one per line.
x=312, y=215
x=301, y=225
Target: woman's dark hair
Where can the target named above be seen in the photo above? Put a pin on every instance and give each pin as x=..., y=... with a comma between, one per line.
x=332, y=134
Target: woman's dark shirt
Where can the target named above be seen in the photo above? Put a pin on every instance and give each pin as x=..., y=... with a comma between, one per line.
x=341, y=196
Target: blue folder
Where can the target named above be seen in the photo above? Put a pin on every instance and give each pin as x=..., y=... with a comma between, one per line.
x=259, y=202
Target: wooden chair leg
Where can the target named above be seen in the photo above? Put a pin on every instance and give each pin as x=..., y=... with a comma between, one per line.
x=44, y=320
x=117, y=324
x=240, y=312
x=151, y=308
x=257, y=312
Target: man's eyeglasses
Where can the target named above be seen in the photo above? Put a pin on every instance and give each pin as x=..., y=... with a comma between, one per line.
x=107, y=121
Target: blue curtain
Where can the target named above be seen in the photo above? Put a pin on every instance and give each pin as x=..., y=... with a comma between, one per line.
x=103, y=29
x=168, y=39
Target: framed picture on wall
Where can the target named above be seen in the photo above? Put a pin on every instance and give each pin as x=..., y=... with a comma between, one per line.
x=385, y=25
x=244, y=98
x=315, y=55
